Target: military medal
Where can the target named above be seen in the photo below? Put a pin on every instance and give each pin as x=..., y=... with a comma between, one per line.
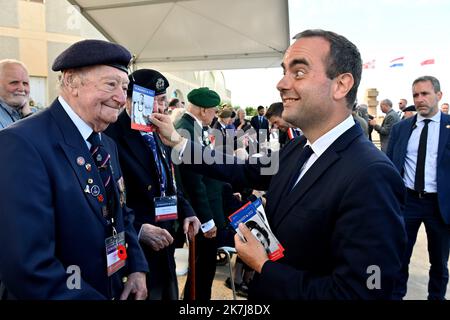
x=80, y=161
x=95, y=190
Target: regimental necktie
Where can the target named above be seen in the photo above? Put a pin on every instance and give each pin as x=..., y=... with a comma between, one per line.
x=102, y=161
x=150, y=139
x=304, y=156
x=419, y=181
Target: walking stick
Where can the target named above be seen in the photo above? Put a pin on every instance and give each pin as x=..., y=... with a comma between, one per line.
x=191, y=263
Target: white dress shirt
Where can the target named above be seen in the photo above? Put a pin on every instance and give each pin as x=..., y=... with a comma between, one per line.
x=84, y=129
x=431, y=155
x=324, y=142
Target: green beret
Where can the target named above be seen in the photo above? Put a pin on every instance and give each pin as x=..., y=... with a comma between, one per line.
x=204, y=98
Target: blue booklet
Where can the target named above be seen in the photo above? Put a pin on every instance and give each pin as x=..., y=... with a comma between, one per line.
x=253, y=215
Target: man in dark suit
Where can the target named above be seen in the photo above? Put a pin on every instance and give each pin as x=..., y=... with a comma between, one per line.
x=285, y=130
x=259, y=122
x=385, y=129
x=204, y=194
x=420, y=149
x=64, y=230
x=149, y=180
x=335, y=204
x=224, y=139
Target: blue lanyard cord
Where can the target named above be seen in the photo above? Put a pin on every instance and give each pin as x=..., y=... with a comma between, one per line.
x=150, y=139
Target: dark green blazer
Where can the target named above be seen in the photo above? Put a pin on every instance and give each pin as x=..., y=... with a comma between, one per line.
x=204, y=194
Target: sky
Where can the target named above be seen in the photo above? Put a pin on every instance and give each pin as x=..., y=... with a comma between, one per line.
x=383, y=30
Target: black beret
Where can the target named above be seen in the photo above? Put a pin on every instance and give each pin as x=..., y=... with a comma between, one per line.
x=410, y=108
x=150, y=79
x=93, y=52
x=204, y=97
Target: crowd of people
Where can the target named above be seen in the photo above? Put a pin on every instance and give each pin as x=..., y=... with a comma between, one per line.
x=100, y=206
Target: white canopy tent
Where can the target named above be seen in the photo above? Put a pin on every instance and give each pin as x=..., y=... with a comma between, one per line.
x=188, y=35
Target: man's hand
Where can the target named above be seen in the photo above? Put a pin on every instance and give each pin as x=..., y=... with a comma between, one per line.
x=166, y=130
x=155, y=237
x=25, y=110
x=191, y=225
x=135, y=285
x=251, y=252
x=373, y=122
x=211, y=233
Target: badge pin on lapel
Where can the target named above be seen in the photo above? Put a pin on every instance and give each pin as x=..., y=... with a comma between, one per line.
x=80, y=161
x=95, y=190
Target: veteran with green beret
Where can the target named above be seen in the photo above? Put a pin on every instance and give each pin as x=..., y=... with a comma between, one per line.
x=204, y=194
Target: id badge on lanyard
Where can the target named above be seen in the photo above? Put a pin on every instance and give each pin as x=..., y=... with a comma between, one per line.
x=166, y=208
x=116, y=253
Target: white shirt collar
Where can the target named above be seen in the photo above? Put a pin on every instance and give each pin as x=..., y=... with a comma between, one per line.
x=195, y=118
x=435, y=118
x=322, y=144
x=84, y=129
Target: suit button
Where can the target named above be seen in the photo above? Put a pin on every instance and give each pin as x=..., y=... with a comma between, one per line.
x=124, y=279
x=149, y=187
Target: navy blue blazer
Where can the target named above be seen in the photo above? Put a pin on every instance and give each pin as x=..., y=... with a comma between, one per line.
x=48, y=222
x=141, y=174
x=398, y=144
x=341, y=221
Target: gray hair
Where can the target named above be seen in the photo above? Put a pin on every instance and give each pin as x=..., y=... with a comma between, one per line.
x=434, y=82
x=387, y=102
x=5, y=62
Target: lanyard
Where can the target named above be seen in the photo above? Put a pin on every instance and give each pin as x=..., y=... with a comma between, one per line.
x=159, y=165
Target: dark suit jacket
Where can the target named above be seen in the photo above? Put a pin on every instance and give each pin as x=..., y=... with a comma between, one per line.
x=254, y=121
x=142, y=185
x=385, y=129
x=342, y=219
x=397, y=153
x=204, y=194
x=48, y=222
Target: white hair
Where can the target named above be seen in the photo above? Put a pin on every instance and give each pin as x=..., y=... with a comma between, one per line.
x=5, y=62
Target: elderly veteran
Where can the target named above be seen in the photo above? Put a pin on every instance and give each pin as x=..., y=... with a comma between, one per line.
x=151, y=189
x=204, y=194
x=64, y=230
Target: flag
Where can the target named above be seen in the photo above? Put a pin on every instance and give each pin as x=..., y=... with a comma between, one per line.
x=397, y=62
x=369, y=64
x=428, y=61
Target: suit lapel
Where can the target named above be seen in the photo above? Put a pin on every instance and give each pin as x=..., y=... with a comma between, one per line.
x=136, y=143
x=402, y=143
x=319, y=168
x=444, y=132
x=79, y=157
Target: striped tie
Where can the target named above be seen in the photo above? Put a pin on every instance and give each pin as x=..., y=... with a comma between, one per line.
x=102, y=161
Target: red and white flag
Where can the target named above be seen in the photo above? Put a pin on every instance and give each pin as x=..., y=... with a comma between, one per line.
x=428, y=61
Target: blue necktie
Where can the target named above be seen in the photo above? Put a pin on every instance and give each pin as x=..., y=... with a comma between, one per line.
x=150, y=139
x=304, y=156
x=102, y=161
x=419, y=180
